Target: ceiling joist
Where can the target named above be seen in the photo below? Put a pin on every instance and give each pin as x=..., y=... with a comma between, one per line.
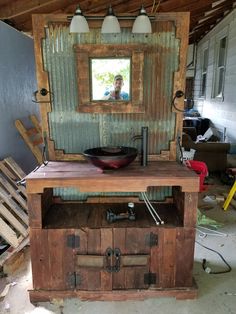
x=204, y=14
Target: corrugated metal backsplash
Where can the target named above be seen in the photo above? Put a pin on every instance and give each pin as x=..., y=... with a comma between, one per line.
x=74, y=132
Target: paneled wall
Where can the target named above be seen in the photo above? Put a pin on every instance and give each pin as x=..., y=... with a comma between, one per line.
x=222, y=112
x=70, y=132
x=73, y=131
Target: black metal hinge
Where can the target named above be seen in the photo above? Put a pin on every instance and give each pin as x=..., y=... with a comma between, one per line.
x=152, y=239
x=73, y=241
x=150, y=279
x=73, y=280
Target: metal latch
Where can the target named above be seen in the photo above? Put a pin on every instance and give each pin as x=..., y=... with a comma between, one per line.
x=73, y=241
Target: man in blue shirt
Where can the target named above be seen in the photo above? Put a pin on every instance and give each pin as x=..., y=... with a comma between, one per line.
x=117, y=93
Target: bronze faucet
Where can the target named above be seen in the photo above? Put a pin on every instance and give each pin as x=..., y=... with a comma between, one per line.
x=144, y=145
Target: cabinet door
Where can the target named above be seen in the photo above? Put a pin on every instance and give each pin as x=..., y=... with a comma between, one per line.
x=91, y=259
x=116, y=258
x=134, y=246
x=52, y=259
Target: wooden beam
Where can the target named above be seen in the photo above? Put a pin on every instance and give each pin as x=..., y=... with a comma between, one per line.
x=21, y=7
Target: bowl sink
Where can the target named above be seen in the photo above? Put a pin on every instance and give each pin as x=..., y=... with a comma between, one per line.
x=114, y=157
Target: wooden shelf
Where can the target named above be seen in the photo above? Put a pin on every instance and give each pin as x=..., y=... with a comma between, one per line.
x=76, y=252
x=77, y=215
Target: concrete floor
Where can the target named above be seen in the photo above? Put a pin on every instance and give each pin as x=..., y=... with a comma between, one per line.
x=217, y=293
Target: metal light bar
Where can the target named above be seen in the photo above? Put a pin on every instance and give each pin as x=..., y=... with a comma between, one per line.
x=120, y=17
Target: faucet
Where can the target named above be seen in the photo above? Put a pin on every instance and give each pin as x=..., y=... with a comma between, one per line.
x=144, y=145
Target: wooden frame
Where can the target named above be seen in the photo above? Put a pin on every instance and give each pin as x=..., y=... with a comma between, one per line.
x=68, y=252
x=85, y=52
x=40, y=21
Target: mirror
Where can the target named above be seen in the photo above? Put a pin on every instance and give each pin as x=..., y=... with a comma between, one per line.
x=97, y=65
x=110, y=79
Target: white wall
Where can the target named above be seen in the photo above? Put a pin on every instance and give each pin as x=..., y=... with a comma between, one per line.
x=17, y=84
x=191, y=60
x=222, y=112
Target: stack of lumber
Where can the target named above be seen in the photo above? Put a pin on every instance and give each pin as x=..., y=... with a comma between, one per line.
x=14, y=219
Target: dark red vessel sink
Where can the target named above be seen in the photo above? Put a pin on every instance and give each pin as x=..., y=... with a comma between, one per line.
x=111, y=157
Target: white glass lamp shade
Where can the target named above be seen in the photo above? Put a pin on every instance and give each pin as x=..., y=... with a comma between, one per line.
x=78, y=23
x=110, y=23
x=142, y=23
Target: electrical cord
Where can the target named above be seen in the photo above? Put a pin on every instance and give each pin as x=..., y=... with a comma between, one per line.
x=208, y=269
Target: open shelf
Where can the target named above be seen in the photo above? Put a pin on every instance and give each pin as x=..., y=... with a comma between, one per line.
x=78, y=215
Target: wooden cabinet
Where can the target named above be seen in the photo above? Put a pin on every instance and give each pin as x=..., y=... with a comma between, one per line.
x=75, y=251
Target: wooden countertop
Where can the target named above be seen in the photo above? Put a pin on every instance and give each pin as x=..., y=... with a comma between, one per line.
x=134, y=178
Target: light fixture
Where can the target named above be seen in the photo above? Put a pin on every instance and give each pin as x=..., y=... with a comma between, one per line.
x=78, y=23
x=142, y=23
x=110, y=23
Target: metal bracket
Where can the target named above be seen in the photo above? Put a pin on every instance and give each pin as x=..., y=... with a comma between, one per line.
x=150, y=278
x=73, y=241
x=152, y=239
x=73, y=280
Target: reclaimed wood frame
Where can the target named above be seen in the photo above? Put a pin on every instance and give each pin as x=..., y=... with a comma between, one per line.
x=40, y=21
x=172, y=258
x=135, y=52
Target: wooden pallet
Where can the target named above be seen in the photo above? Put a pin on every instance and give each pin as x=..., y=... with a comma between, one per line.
x=32, y=136
x=14, y=219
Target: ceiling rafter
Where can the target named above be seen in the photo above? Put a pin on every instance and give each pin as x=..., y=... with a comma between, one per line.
x=19, y=12
x=21, y=7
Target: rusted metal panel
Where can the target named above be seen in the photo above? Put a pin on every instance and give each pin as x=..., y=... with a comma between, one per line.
x=74, y=132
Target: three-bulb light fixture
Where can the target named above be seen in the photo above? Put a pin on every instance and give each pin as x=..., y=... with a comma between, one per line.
x=142, y=23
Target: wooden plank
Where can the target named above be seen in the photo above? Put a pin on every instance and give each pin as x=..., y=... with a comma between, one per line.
x=132, y=242
x=34, y=149
x=94, y=247
x=4, y=212
x=14, y=206
x=15, y=167
x=8, y=187
x=136, y=241
x=190, y=209
x=118, y=295
x=22, y=7
x=39, y=250
x=119, y=241
x=185, y=240
x=88, y=178
x=7, y=255
x=38, y=205
x=106, y=242
x=8, y=234
x=167, y=257
x=90, y=261
x=24, y=133
x=35, y=123
x=155, y=266
x=134, y=260
x=12, y=178
x=60, y=257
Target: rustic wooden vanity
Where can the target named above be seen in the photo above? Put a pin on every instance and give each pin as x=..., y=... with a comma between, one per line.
x=76, y=252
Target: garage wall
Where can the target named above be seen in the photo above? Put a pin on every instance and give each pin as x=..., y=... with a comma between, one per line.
x=17, y=83
x=221, y=110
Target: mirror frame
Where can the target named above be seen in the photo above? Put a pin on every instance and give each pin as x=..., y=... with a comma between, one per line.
x=87, y=51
